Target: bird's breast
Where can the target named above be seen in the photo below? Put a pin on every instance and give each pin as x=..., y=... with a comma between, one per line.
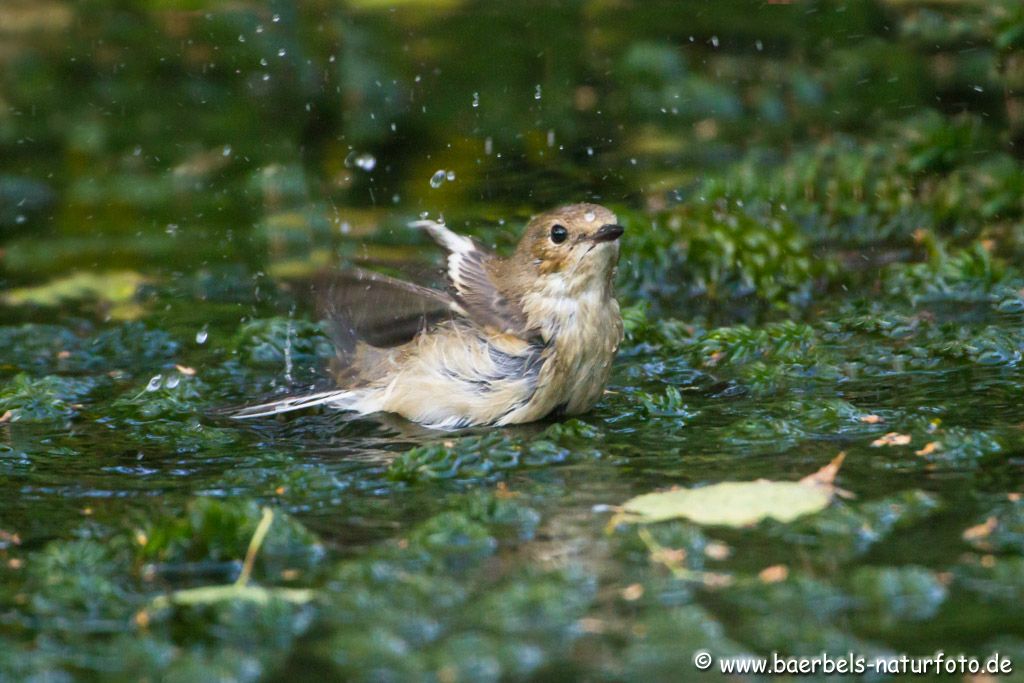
x=583, y=335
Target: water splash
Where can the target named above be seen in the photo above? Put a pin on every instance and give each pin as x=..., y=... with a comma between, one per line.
x=366, y=162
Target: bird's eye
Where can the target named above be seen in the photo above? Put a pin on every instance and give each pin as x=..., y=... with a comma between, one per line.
x=559, y=234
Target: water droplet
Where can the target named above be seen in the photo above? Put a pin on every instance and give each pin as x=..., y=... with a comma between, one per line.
x=714, y=41
x=282, y=52
x=241, y=38
x=590, y=151
x=137, y=151
x=365, y=161
x=424, y=214
x=551, y=138
x=263, y=61
x=450, y=175
x=476, y=100
x=276, y=18
x=226, y=151
x=438, y=179
x=488, y=146
x=259, y=28
x=173, y=381
x=155, y=383
x=536, y=93
x=20, y=219
x=759, y=45
x=589, y=216
x=171, y=229
x=201, y=336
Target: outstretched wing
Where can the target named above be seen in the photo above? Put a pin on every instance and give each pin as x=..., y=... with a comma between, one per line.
x=365, y=306
x=473, y=289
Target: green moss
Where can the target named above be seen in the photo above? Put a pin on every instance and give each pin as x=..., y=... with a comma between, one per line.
x=723, y=250
x=174, y=396
x=667, y=640
x=890, y=595
x=214, y=531
x=843, y=532
x=43, y=399
x=1003, y=528
x=485, y=457
x=281, y=341
x=79, y=581
x=823, y=210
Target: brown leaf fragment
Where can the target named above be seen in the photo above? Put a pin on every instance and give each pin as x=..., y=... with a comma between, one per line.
x=774, y=574
x=929, y=448
x=825, y=476
x=980, y=531
x=716, y=550
x=633, y=592
x=504, y=492
x=589, y=625
x=871, y=419
x=891, y=439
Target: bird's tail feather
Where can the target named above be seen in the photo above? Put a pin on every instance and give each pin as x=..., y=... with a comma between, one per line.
x=291, y=403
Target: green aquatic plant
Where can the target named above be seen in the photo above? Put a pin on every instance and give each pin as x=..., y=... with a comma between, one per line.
x=214, y=531
x=43, y=399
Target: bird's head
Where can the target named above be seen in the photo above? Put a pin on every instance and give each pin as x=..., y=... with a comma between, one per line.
x=575, y=246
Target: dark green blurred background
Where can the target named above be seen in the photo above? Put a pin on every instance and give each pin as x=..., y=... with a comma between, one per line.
x=167, y=135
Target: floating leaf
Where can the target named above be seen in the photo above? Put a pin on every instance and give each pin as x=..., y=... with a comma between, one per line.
x=737, y=503
x=731, y=503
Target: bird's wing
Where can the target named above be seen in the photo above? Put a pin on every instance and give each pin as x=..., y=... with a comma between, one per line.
x=365, y=306
x=473, y=289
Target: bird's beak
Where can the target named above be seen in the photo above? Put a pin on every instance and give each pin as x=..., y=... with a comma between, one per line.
x=608, y=233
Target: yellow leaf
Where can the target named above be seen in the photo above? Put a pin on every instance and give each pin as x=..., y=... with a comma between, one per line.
x=117, y=287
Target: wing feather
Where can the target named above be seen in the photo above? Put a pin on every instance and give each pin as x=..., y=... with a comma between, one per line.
x=363, y=305
x=473, y=287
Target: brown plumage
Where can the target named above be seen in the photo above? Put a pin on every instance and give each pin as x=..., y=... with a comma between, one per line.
x=512, y=340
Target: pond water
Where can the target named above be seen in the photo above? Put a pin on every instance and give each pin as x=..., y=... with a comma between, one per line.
x=824, y=212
